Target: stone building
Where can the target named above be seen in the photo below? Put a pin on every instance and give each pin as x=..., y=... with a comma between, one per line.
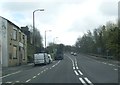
x=13, y=44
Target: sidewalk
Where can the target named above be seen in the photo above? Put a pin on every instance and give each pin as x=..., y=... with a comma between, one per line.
x=106, y=60
x=115, y=62
x=8, y=70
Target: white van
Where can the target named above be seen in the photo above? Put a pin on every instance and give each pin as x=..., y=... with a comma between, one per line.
x=41, y=58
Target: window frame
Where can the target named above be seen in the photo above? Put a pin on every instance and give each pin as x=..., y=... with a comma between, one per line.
x=15, y=36
x=14, y=46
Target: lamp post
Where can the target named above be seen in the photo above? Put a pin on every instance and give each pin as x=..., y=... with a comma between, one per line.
x=45, y=37
x=34, y=25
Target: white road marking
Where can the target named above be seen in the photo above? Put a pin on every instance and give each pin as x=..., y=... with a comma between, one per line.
x=72, y=61
x=76, y=72
x=50, y=67
x=104, y=63
x=115, y=69
x=38, y=74
x=44, y=70
x=17, y=81
x=34, y=76
x=53, y=66
x=113, y=65
x=82, y=81
x=109, y=64
x=11, y=74
x=43, y=66
x=8, y=82
x=28, y=80
x=80, y=72
x=73, y=67
x=76, y=67
x=88, y=81
x=41, y=71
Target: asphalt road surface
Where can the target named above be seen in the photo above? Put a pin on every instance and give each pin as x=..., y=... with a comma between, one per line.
x=73, y=69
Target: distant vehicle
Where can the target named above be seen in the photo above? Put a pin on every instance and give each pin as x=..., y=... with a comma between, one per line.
x=72, y=53
x=41, y=58
x=75, y=54
x=50, y=59
x=59, y=52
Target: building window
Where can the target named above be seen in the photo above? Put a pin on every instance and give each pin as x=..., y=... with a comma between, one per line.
x=23, y=39
x=19, y=36
x=14, y=52
x=23, y=54
x=10, y=55
x=14, y=34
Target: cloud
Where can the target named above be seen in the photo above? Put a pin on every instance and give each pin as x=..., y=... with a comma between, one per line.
x=109, y=7
x=67, y=19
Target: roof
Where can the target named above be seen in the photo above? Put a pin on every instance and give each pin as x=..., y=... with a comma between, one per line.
x=10, y=22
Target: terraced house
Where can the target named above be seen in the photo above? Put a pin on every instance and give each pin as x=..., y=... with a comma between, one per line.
x=13, y=44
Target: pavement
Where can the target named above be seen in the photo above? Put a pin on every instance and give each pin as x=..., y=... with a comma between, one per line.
x=8, y=70
x=104, y=59
x=78, y=70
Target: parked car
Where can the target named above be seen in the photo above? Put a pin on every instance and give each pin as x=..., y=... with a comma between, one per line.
x=41, y=58
x=50, y=58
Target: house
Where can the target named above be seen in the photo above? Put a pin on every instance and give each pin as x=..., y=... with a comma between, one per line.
x=13, y=44
x=30, y=46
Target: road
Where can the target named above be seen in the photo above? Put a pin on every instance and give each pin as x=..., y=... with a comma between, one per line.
x=78, y=69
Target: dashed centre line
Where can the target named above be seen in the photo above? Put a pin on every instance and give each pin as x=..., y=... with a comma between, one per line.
x=28, y=80
x=38, y=74
x=34, y=76
x=115, y=69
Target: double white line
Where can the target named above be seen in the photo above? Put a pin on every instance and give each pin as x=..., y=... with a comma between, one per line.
x=85, y=80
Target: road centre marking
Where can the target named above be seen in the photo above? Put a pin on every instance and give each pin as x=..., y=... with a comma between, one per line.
x=34, y=76
x=82, y=81
x=38, y=74
x=76, y=67
x=28, y=80
x=53, y=66
x=115, y=69
x=73, y=67
x=80, y=72
x=88, y=81
x=76, y=72
x=41, y=71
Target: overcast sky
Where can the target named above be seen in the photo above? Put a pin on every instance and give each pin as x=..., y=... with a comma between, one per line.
x=68, y=19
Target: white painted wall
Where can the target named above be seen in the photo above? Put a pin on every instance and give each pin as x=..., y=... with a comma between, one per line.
x=4, y=48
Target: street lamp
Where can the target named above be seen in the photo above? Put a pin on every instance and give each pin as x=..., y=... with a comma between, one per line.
x=34, y=24
x=45, y=36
